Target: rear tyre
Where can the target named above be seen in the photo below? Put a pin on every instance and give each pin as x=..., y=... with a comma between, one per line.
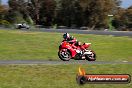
x=64, y=55
x=91, y=57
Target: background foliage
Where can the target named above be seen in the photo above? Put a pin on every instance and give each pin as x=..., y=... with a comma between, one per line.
x=70, y=13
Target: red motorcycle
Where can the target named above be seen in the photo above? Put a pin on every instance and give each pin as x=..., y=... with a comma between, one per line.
x=67, y=52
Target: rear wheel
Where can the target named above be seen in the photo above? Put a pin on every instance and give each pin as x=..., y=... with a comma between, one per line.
x=91, y=57
x=64, y=55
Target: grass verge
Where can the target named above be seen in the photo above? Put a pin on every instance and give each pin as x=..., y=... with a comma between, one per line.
x=23, y=45
x=56, y=76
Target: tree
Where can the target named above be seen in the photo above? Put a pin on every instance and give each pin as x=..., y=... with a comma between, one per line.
x=69, y=13
x=123, y=19
x=3, y=11
x=19, y=10
x=64, y=13
x=33, y=8
x=96, y=12
x=47, y=11
x=128, y=17
x=86, y=12
x=14, y=17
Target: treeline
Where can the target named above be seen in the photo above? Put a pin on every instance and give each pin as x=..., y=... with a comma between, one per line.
x=70, y=13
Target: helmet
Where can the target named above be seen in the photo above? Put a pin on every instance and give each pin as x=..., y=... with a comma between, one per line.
x=66, y=36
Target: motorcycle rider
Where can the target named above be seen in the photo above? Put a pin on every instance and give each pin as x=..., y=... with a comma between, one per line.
x=75, y=44
x=69, y=38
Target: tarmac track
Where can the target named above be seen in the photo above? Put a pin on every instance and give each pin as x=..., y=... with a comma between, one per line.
x=44, y=62
x=96, y=32
x=113, y=33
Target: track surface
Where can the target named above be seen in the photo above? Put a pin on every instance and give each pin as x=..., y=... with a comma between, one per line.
x=43, y=62
x=114, y=33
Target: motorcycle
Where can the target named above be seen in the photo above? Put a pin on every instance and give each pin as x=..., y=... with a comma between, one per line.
x=67, y=52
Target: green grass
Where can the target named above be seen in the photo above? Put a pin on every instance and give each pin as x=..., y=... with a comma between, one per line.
x=22, y=45
x=56, y=76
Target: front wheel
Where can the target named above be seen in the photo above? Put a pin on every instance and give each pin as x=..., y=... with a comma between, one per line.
x=64, y=55
x=91, y=57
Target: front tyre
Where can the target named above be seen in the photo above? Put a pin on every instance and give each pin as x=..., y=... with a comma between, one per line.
x=64, y=55
x=91, y=57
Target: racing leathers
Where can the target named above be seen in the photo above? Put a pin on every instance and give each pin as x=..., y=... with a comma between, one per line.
x=75, y=44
